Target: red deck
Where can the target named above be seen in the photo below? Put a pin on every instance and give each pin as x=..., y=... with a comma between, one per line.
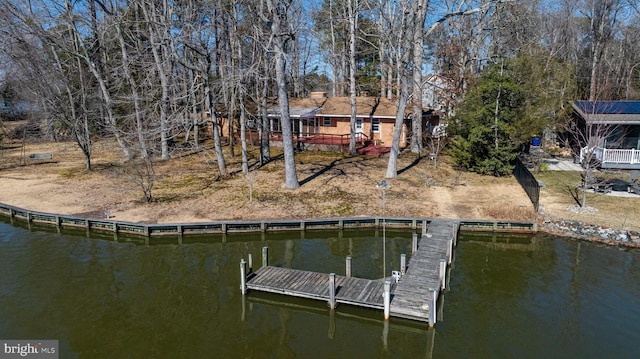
x=364, y=146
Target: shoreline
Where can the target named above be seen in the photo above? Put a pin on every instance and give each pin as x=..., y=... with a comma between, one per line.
x=592, y=233
x=570, y=229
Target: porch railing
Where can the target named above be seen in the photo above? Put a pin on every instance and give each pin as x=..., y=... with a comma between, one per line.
x=608, y=155
x=317, y=138
x=621, y=156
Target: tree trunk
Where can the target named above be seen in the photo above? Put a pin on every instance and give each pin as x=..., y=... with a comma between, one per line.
x=291, y=177
x=392, y=166
x=403, y=51
x=280, y=36
x=383, y=72
x=222, y=167
x=265, y=126
x=134, y=94
x=353, y=25
x=418, y=54
x=155, y=36
x=243, y=132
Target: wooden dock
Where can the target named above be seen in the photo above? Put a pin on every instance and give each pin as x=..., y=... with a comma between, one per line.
x=414, y=296
x=314, y=285
x=418, y=290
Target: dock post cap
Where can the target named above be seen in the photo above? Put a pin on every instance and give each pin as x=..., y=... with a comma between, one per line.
x=396, y=275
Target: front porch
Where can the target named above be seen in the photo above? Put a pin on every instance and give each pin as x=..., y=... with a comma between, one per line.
x=613, y=158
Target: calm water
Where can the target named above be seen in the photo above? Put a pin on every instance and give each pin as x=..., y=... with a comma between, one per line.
x=510, y=297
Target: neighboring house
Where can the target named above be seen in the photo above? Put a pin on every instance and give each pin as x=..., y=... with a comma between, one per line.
x=439, y=94
x=620, y=121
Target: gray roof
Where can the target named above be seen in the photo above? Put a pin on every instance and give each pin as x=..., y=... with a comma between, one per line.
x=295, y=112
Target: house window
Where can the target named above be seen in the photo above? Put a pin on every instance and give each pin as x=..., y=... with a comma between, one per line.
x=375, y=126
x=326, y=121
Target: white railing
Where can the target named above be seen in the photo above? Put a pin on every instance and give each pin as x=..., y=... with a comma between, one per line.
x=607, y=155
x=621, y=156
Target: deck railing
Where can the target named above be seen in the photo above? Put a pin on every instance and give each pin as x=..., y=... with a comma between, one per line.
x=322, y=138
x=610, y=155
x=621, y=156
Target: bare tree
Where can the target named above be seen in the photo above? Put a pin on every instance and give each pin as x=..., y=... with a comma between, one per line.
x=134, y=88
x=353, y=27
x=402, y=53
x=276, y=13
x=157, y=24
x=603, y=19
x=589, y=139
x=418, y=55
x=410, y=18
x=436, y=142
x=145, y=177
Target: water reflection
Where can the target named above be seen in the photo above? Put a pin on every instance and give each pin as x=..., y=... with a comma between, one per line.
x=509, y=296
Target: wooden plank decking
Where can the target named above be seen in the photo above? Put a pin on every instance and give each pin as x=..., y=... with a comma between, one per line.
x=411, y=297
x=313, y=285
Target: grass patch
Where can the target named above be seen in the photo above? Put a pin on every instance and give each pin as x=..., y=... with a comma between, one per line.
x=562, y=190
x=521, y=213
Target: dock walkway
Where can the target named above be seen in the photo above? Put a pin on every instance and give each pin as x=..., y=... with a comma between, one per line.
x=413, y=297
x=314, y=285
x=414, y=294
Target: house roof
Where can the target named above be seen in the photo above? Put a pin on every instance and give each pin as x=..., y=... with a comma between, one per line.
x=609, y=112
x=299, y=107
x=378, y=107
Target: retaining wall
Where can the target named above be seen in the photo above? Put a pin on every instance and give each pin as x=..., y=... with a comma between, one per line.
x=223, y=227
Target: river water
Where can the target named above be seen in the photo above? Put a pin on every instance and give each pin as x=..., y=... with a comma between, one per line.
x=510, y=296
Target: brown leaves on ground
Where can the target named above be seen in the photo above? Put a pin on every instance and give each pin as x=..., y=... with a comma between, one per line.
x=188, y=189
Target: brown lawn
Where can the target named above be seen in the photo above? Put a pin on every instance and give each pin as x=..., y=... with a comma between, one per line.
x=188, y=189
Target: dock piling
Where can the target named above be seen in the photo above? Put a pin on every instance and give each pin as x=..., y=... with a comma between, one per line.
x=250, y=263
x=243, y=276
x=332, y=290
x=387, y=299
x=265, y=256
x=414, y=243
x=415, y=294
x=456, y=226
x=443, y=273
x=432, y=307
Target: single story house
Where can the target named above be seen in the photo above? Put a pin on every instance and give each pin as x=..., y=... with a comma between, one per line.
x=322, y=119
x=615, y=132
